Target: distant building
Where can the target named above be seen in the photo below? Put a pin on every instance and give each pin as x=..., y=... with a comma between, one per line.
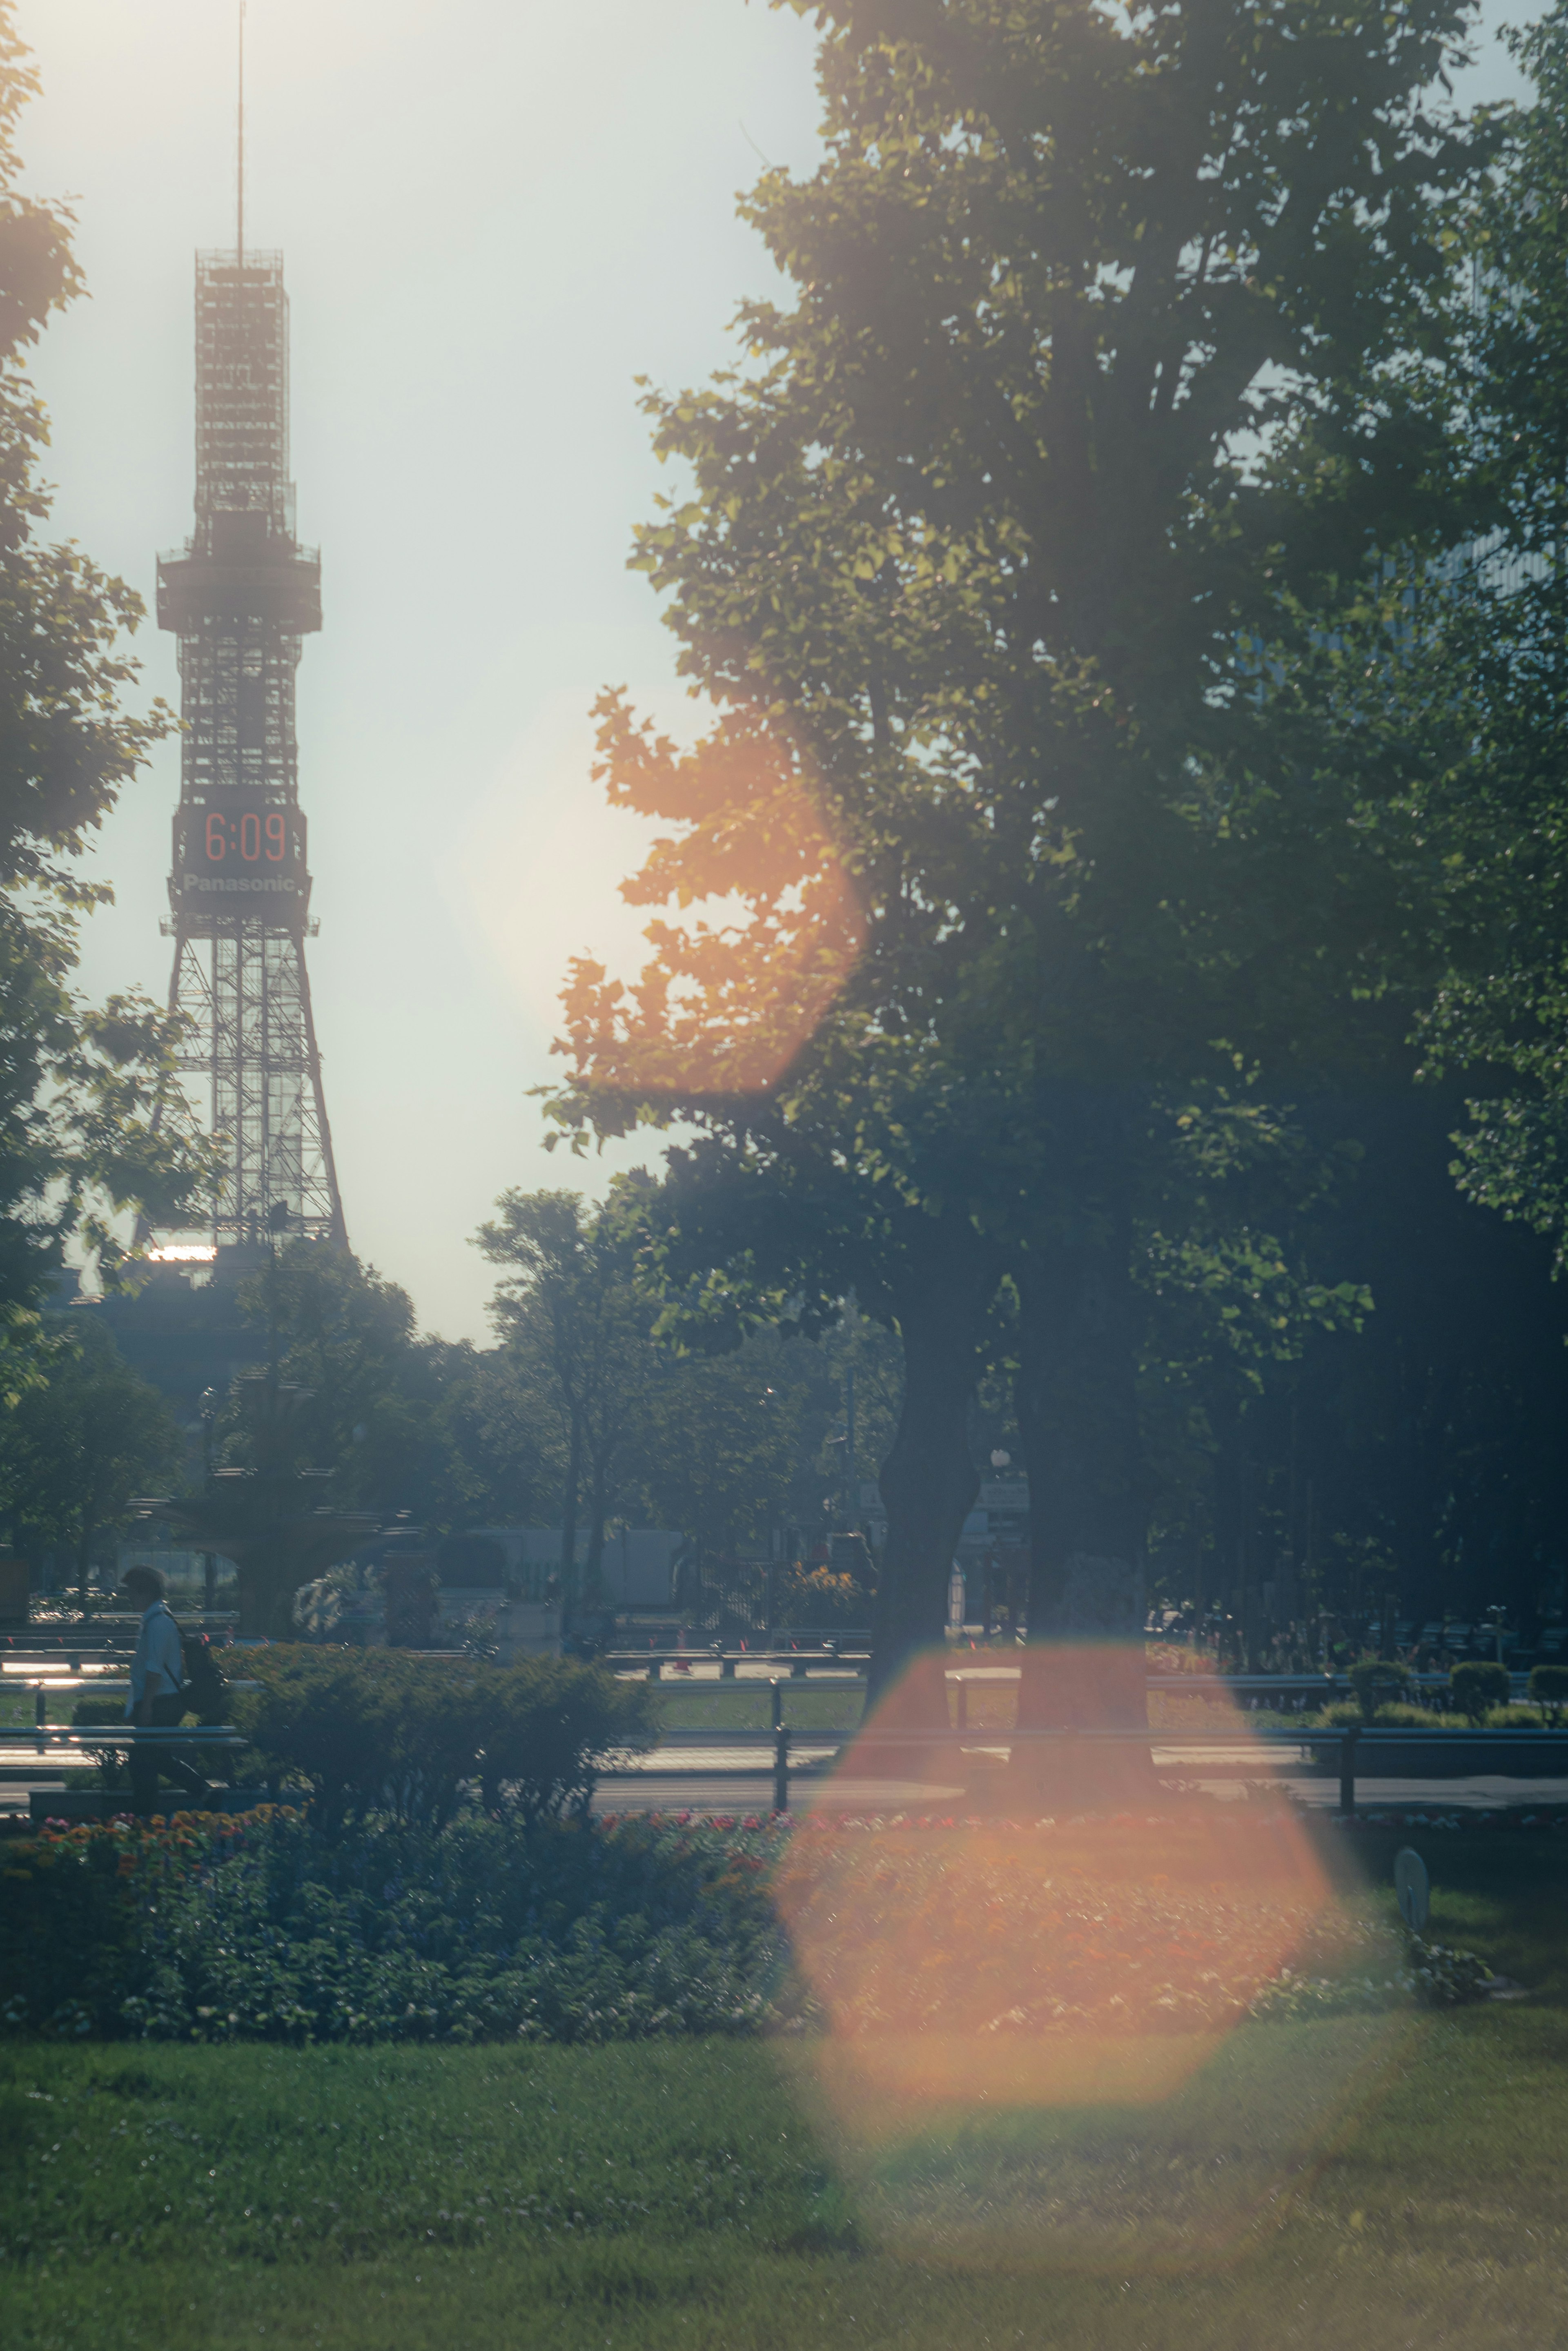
x=998, y=1523
x=636, y=1570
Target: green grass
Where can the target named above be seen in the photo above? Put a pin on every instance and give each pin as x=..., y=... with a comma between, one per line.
x=742, y=1705
x=17, y=1705
x=1345, y=2181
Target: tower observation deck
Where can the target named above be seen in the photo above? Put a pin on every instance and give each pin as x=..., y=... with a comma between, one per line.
x=241, y=595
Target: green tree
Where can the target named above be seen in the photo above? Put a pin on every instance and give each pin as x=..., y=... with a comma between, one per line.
x=268, y=1510
x=79, y=1444
x=501, y=1459
x=373, y=1397
x=574, y=1318
x=1009, y=564
x=1495, y=656
x=719, y=1450
x=1427, y=1428
x=91, y=1126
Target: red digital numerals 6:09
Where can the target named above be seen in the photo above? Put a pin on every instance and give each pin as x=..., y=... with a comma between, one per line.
x=255, y=837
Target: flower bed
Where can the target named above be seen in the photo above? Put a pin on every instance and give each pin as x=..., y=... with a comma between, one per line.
x=263, y=1926
x=1180, y=1922
x=260, y=1926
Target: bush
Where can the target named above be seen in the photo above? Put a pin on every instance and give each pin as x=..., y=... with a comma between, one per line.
x=1379, y=1681
x=114, y=1771
x=1549, y=1689
x=374, y=1730
x=819, y=1596
x=319, y=1608
x=542, y=1728
x=412, y=1601
x=1476, y=1685
x=1343, y=1712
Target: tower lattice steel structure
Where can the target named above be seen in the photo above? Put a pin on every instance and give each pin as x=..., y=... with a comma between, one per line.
x=240, y=596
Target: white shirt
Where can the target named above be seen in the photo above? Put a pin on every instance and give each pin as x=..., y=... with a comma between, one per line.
x=159, y=1665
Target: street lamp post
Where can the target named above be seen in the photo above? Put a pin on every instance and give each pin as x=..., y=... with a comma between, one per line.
x=209, y=1412
x=850, y=1462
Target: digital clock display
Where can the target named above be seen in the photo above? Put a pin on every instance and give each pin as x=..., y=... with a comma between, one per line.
x=260, y=832
x=236, y=854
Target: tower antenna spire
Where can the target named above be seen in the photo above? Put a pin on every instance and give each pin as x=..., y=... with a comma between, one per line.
x=241, y=596
x=239, y=170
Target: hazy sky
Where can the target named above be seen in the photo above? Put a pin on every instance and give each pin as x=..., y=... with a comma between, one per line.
x=494, y=216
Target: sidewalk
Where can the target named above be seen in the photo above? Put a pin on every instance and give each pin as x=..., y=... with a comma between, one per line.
x=737, y=1781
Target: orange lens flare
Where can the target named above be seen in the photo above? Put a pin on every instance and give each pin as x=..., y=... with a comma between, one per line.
x=1054, y=1964
x=730, y=995
x=1053, y=1927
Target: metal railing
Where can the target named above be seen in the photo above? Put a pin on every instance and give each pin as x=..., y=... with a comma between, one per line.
x=1351, y=1744
x=69, y=1740
x=847, y=1670
x=45, y=1685
x=653, y=1663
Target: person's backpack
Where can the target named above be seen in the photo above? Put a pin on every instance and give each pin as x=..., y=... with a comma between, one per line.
x=206, y=1691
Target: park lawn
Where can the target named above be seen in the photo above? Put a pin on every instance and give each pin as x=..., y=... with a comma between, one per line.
x=746, y=1706
x=989, y=1706
x=689, y=2193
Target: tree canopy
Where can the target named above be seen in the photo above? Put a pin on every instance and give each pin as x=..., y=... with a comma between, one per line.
x=1495, y=656
x=1027, y=564
x=82, y=1440
x=90, y=1124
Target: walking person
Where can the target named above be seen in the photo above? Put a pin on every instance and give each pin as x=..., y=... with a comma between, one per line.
x=158, y=1697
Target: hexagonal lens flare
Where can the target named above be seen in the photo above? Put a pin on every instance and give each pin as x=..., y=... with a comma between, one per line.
x=997, y=1984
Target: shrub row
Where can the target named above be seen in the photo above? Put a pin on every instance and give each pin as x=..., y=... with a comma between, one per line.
x=377, y=1729
x=1398, y=1716
x=1478, y=1688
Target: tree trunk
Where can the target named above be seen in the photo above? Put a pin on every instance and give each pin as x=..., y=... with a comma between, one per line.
x=929, y=1480
x=593, y=1566
x=1084, y=1667
x=569, y=1509
x=1228, y=1490
x=265, y=1581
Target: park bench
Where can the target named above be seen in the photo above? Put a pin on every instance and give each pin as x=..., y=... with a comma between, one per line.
x=64, y=1745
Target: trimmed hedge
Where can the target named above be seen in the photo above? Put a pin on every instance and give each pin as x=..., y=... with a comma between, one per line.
x=1476, y=1685
x=377, y=1730
x=1549, y=1689
x=1378, y=1682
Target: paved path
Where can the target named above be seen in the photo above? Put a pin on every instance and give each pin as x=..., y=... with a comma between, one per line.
x=652, y=1791
x=722, y=1787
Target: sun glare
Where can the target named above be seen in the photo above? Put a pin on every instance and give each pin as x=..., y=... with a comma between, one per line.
x=760, y=929
x=991, y=1958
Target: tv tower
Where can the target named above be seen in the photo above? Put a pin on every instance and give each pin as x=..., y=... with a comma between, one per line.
x=240, y=595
